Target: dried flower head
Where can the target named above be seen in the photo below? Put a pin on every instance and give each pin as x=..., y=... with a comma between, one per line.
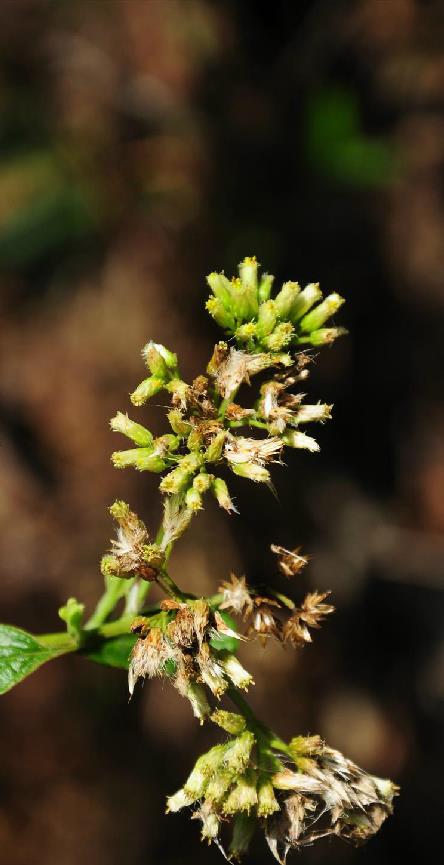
x=236, y=596
x=264, y=623
x=290, y=562
x=332, y=797
x=127, y=556
x=309, y=615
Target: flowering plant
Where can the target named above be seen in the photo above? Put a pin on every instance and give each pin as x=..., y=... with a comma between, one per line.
x=297, y=791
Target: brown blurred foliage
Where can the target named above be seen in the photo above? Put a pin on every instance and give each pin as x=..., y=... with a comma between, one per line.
x=143, y=143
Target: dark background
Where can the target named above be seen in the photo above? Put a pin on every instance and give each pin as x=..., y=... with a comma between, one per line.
x=143, y=144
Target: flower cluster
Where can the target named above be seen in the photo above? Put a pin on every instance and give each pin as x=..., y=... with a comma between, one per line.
x=303, y=790
x=187, y=642
x=298, y=792
x=244, y=308
x=131, y=555
x=204, y=414
x=265, y=614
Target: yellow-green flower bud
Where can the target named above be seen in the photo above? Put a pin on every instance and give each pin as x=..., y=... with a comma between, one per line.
x=179, y=389
x=310, y=413
x=266, y=319
x=237, y=753
x=177, y=801
x=246, y=332
x=205, y=767
x=195, y=693
x=193, y=499
x=248, y=271
x=195, y=439
x=220, y=313
x=153, y=556
x=142, y=459
x=134, y=431
x=244, y=825
x=120, y=511
x=252, y=471
x=155, y=362
x=265, y=286
x=243, y=796
x=177, y=423
x=236, y=672
x=229, y=721
x=295, y=439
x=202, y=482
x=248, y=277
x=285, y=299
x=301, y=746
x=243, y=300
x=280, y=337
x=266, y=800
x=109, y=566
x=215, y=448
x=323, y=336
x=218, y=785
x=318, y=316
x=221, y=288
x=179, y=478
x=220, y=491
x=146, y=389
x=151, y=351
x=305, y=300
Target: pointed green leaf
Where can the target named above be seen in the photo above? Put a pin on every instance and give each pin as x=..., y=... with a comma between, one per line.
x=22, y=653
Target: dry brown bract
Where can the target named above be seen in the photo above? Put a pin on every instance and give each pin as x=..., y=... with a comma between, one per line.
x=309, y=615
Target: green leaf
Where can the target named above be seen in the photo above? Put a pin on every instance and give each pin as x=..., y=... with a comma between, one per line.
x=222, y=643
x=22, y=653
x=114, y=652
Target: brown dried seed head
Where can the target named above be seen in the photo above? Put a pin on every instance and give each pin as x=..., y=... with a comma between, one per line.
x=290, y=562
x=236, y=596
x=313, y=609
x=264, y=624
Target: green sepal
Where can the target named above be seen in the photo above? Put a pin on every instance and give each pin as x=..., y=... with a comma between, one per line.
x=72, y=614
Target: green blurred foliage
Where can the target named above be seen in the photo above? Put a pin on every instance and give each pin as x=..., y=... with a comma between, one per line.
x=337, y=145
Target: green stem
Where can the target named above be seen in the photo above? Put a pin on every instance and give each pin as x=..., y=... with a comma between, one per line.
x=112, y=594
x=284, y=599
x=170, y=587
x=248, y=422
x=60, y=642
x=223, y=407
x=116, y=628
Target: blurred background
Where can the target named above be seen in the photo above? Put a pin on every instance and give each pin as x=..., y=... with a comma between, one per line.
x=143, y=144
